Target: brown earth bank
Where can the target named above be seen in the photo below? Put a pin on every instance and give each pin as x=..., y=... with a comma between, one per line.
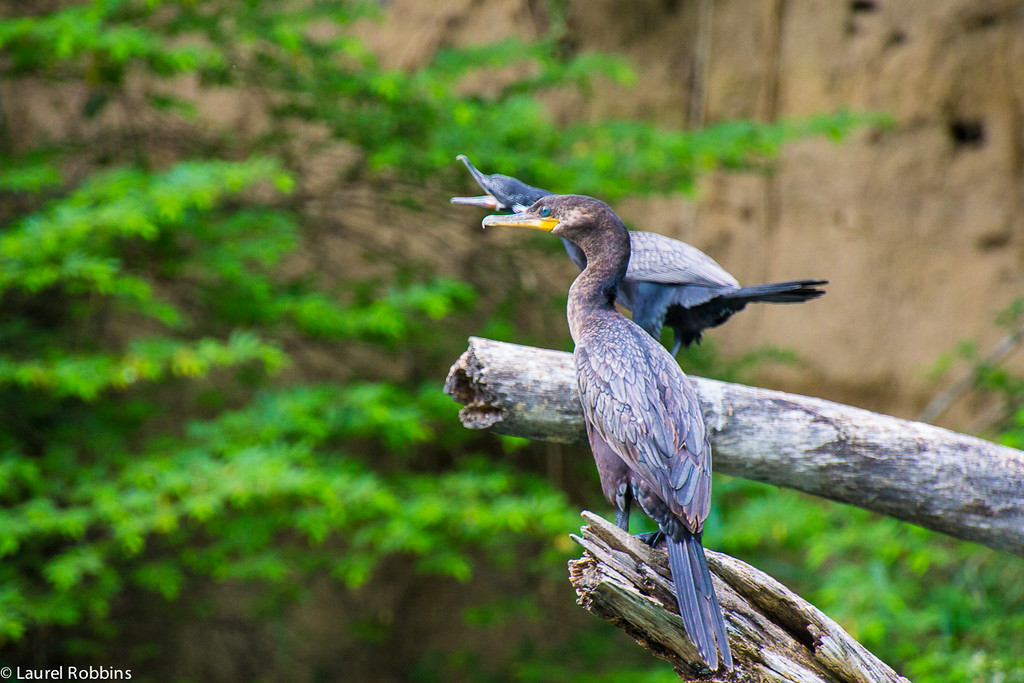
x=918, y=227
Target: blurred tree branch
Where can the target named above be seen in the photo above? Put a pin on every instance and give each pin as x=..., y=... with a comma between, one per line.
x=941, y=402
x=957, y=484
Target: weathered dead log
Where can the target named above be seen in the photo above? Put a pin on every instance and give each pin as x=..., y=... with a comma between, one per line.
x=950, y=482
x=775, y=635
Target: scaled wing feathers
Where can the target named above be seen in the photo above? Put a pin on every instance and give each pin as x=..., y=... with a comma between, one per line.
x=652, y=419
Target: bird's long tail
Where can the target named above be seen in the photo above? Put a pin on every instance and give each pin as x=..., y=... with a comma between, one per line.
x=695, y=594
x=789, y=292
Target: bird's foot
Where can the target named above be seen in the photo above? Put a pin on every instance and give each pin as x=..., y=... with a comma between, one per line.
x=652, y=538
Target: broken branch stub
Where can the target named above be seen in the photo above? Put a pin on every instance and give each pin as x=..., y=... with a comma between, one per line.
x=775, y=635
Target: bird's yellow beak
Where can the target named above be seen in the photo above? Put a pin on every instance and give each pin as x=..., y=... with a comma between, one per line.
x=521, y=220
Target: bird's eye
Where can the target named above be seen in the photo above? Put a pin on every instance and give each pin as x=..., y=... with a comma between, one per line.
x=545, y=211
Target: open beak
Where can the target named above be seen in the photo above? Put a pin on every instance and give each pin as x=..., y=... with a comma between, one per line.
x=486, y=201
x=479, y=177
x=521, y=220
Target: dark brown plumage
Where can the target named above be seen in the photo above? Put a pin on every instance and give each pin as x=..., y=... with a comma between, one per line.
x=643, y=417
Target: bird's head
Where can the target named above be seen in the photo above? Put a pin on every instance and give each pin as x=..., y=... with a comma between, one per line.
x=504, y=193
x=585, y=221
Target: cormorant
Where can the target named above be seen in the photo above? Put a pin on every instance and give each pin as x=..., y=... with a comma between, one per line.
x=643, y=417
x=668, y=282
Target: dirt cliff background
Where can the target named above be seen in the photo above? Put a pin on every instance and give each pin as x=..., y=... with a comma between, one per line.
x=919, y=228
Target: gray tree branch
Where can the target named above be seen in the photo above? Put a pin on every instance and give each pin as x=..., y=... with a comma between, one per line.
x=774, y=634
x=953, y=483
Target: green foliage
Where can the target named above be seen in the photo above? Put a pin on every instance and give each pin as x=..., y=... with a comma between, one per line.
x=27, y=175
x=388, y=318
x=991, y=379
x=937, y=608
x=86, y=376
x=706, y=360
x=270, y=485
x=84, y=508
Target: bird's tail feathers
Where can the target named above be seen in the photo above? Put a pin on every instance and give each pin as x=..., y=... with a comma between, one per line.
x=789, y=292
x=717, y=621
x=695, y=595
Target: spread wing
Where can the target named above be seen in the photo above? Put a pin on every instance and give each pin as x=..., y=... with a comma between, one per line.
x=656, y=258
x=639, y=401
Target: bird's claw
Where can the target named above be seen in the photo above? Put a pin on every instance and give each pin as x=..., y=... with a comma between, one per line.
x=652, y=538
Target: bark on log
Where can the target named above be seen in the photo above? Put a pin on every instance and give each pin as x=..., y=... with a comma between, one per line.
x=953, y=483
x=775, y=635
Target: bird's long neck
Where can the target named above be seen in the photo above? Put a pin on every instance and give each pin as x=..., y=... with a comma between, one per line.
x=575, y=253
x=593, y=292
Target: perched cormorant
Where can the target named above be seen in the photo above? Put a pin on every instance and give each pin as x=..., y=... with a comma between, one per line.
x=643, y=417
x=668, y=282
